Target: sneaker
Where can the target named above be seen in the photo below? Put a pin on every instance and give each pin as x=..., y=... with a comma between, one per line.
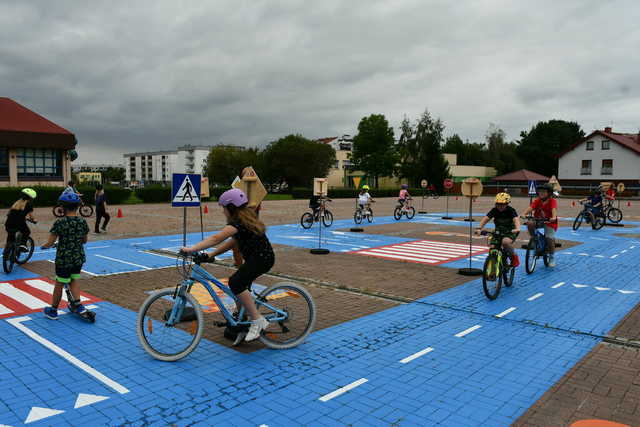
x=256, y=327
x=515, y=260
x=552, y=260
x=51, y=313
x=78, y=309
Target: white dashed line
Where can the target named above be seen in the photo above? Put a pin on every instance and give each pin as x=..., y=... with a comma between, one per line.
x=343, y=390
x=622, y=291
x=575, y=285
x=623, y=251
x=536, y=296
x=614, y=256
x=599, y=256
x=124, y=262
x=416, y=355
x=467, y=331
x=597, y=288
x=557, y=285
x=583, y=254
x=507, y=311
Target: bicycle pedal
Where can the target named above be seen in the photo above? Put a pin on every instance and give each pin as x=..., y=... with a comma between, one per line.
x=239, y=338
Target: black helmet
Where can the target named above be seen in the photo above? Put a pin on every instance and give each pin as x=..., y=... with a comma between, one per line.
x=546, y=186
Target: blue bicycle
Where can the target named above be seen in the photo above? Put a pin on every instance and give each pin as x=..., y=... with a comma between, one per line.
x=171, y=321
x=537, y=246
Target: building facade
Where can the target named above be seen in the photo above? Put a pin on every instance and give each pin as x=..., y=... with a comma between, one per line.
x=158, y=166
x=33, y=150
x=460, y=172
x=341, y=171
x=603, y=155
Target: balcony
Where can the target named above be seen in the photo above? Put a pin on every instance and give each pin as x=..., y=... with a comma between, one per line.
x=585, y=171
x=606, y=171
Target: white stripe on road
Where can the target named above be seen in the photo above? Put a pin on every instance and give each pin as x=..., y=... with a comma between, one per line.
x=597, y=288
x=404, y=257
x=397, y=251
x=343, y=390
x=575, y=285
x=614, y=256
x=557, y=285
x=48, y=288
x=536, y=296
x=507, y=311
x=17, y=322
x=5, y=310
x=467, y=331
x=416, y=355
x=124, y=262
x=22, y=297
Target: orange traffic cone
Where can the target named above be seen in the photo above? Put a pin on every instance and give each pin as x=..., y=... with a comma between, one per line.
x=206, y=209
x=628, y=204
x=119, y=213
x=573, y=203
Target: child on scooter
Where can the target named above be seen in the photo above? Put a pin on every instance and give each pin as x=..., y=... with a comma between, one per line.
x=71, y=233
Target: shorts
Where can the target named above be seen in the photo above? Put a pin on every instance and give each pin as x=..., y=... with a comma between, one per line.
x=498, y=242
x=67, y=274
x=242, y=279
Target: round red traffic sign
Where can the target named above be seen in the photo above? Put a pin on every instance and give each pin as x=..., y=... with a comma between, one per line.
x=448, y=184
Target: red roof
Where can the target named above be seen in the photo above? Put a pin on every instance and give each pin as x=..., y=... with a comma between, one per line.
x=21, y=127
x=326, y=140
x=627, y=140
x=521, y=175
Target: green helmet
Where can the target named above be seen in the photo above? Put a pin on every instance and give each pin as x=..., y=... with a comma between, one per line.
x=30, y=192
x=365, y=187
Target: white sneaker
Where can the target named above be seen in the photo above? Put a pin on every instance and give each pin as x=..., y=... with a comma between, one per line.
x=256, y=327
x=552, y=260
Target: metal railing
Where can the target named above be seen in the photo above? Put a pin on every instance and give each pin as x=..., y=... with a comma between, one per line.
x=585, y=171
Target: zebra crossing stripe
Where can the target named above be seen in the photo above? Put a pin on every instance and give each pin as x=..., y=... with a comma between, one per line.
x=424, y=251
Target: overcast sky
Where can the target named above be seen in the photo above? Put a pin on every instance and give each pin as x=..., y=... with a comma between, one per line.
x=148, y=75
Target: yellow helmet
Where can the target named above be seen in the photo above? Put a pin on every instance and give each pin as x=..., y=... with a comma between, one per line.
x=503, y=198
x=365, y=187
x=29, y=192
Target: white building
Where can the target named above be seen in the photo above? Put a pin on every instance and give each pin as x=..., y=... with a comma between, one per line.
x=158, y=166
x=603, y=155
x=339, y=174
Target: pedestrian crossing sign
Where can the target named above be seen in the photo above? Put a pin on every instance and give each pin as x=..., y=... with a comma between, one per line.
x=185, y=189
x=532, y=188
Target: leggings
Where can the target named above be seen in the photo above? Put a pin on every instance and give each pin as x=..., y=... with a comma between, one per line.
x=102, y=213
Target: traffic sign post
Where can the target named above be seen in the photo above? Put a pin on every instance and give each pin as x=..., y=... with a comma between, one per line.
x=471, y=188
x=320, y=188
x=185, y=192
x=424, y=184
x=448, y=185
x=532, y=190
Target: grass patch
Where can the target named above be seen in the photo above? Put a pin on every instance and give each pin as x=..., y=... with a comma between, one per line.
x=279, y=197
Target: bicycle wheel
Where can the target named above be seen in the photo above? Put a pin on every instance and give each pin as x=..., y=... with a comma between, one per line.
x=370, y=215
x=297, y=321
x=357, y=217
x=435, y=196
x=411, y=212
x=58, y=211
x=397, y=213
x=8, y=259
x=327, y=219
x=598, y=223
x=86, y=210
x=306, y=221
x=491, y=277
x=508, y=274
x=614, y=215
x=169, y=342
x=577, y=222
x=531, y=258
x=24, y=256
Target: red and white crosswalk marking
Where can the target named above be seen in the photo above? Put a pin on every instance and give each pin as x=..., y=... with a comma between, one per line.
x=19, y=297
x=424, y=251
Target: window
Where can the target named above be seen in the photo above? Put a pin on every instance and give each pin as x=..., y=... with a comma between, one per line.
x=586, y=167
x=336, y=164
x=39, y=162
x=589, y=145
x=4, y=162
x=606, y=144
x=607, y=167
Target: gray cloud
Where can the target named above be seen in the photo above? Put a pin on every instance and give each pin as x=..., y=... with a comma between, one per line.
x=129, y=76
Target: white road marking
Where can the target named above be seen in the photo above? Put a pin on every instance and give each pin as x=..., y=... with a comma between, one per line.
x=343, y=390
x=416, y=355
x=597, y=288
x=404, y=257
x=507, y=311
x=142, y=243
x=632, y=247
x=535, y=297
x=22, y=297
x=568, y=252
x=124, y=262
x=156, y=254
x=48, y=288
x=17, y=322
x=622, y=291
x=614, y=256
x=623, y=251
x=467, y=331
x=557, y=285
x=87, y=399
x=599, y=256
x=36, y=413
x=5, y=310
x=575, y=285
x=583, y=254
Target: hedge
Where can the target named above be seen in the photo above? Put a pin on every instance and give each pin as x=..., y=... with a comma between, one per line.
x=48, y=196
x=154, y=194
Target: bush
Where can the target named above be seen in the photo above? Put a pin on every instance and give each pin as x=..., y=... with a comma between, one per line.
x=154, y=194
x=48, y=196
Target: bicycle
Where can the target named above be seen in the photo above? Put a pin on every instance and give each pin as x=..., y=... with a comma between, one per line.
x=86, y=210
x=612, y=213
x=17, y=252
x=170, y=321
x=431, y=193
x=537, y=246
x=496, y=269
x=596, y=221
x=404, y=209
x=362, y=213
x=308, y=218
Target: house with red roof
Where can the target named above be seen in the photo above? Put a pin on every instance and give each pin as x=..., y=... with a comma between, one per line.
x=33, y=150
x=603, y=155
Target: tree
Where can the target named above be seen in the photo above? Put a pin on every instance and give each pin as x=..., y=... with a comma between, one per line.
x=374, y=150
x=295, y=160
x=113, y=173
x=539, y=146
x=224, y=163
x=501, y=155
x=421, y=151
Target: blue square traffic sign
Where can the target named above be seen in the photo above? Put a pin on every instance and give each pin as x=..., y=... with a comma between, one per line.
x=185, y=189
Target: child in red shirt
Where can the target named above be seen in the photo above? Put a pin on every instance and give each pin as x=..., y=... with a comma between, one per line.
x=545, y=206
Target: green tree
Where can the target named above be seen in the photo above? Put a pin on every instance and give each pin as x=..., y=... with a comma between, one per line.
x=374, y=150
x=421, y=151
x=539, y=146
x=295, y=160
x=113, y=173
x=224, y=163
x=501, y=154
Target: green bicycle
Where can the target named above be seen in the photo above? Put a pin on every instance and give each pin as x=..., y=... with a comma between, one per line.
x=497, y=269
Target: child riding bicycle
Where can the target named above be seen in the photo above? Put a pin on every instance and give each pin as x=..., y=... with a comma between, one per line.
x=246, y=232
x=545, y=206
x=20, y=212
x=71, y=233
x=507, y=226
x=365, y=199
x=594, y=203
x=404, y=195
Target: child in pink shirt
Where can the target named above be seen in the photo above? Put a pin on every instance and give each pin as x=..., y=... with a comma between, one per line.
x=404, y=194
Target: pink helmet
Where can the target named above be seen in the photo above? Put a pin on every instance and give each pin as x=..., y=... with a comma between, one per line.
x=233, y=197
